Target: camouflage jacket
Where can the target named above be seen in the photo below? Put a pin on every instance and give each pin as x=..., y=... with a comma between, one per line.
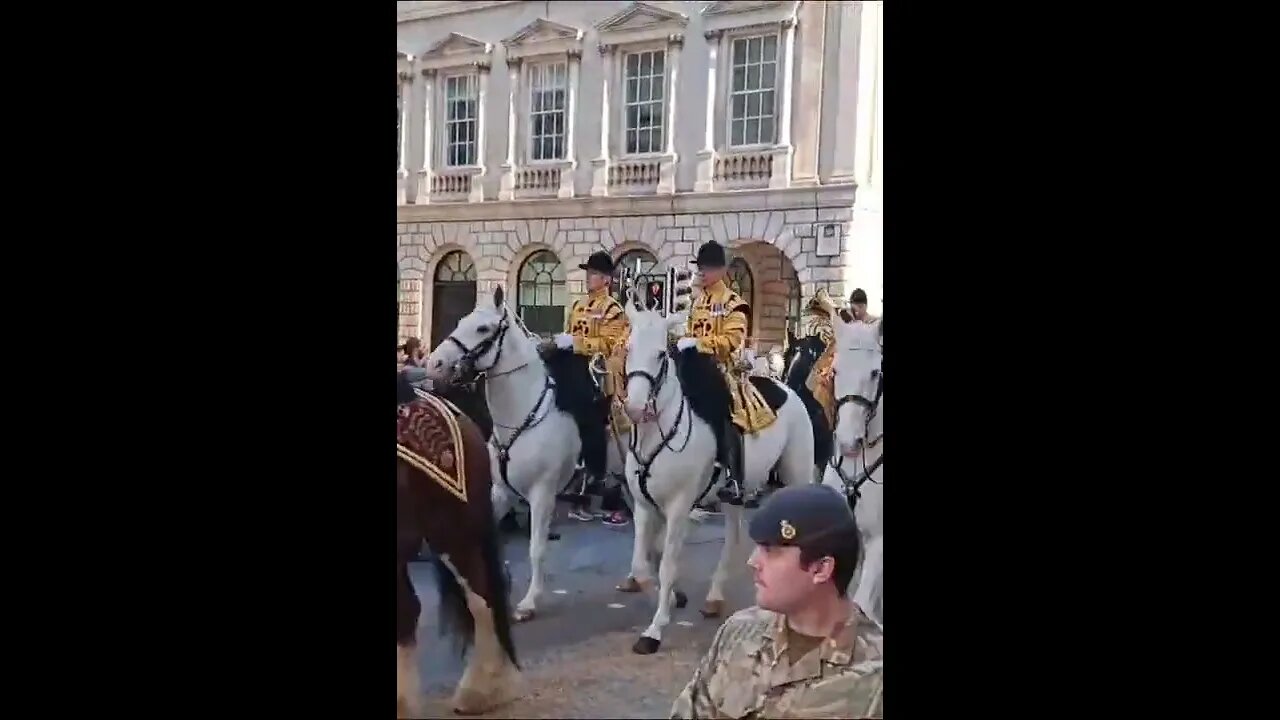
x=746, y=673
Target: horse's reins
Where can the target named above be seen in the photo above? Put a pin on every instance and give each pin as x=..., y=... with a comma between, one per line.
x=836, y=461
x=655, y=384
x=469, y=357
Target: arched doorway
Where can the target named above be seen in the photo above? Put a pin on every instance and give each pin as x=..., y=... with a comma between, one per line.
x=542, y=295
x=453, y=294
x=739, y=279
x=640, y=265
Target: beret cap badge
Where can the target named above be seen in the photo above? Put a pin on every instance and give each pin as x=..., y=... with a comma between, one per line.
x=787, y=530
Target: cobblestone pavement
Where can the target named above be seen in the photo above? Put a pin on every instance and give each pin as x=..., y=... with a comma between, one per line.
x=576, y=654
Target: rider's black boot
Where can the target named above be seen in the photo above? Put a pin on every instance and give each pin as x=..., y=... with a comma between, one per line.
x=731, y=493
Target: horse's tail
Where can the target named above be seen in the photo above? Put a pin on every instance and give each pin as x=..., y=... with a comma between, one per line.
x=500, y=582
x=455, y=616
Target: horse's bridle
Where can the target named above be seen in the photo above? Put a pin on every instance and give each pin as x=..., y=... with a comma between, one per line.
x=471, y=355
x=836, y=461
x=655, y=384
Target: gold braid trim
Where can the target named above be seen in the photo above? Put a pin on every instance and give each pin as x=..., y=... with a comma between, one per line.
x=456, y=486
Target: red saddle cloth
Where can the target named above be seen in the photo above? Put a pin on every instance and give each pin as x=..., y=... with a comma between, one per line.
x=429, y=439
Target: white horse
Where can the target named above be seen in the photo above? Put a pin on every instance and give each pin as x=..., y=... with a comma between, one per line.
x=670, y=460
x=856, y=465
x=534, y=445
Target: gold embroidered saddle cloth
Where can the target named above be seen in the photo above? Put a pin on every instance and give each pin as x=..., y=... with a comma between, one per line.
x=429, y=439
x=752, y=411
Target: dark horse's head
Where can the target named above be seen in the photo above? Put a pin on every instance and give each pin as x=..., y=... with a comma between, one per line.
x=802, y=353
x=469, y=398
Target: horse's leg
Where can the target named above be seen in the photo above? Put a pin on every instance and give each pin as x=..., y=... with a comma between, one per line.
x=641, y=570
x=668, y=571
x=408, y=609
x=490, y=678
x=869, y=595
x=714, y=606
x=542, y=503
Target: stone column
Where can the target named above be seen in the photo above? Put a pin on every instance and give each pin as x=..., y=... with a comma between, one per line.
x=811, y=43
x=570, y=136
x=426, y=172
x=600, y=165
x=402, y=171
x=482, y=104
x=707, y=156
x=507, y=182
x=868, y=45
x=852, y=17
x=781, y=176
x=667, y=167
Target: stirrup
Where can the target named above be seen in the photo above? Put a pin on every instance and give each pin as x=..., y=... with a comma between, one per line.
x=730, y=494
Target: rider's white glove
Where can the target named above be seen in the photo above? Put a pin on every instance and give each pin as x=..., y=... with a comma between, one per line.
x=564, y=341
x=748, y=357
x=685, y=343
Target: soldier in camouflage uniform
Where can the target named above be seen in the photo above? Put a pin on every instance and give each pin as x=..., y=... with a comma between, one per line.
x=805, y=650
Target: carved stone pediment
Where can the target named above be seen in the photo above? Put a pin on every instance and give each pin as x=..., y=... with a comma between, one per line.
x=640, y=22
x=454, y=50
x=543, y=37
x=725, y=15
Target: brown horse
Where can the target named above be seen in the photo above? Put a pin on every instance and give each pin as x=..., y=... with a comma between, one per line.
x=442, y=497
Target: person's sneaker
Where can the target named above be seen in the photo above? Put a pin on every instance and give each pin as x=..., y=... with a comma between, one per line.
x=618, y=519
x=581, y=515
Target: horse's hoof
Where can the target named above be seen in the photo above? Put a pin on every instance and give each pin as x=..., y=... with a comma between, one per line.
x=712, y=608
x=522, y=615
x=681, y=600
x=646, y=646
x=628, y=586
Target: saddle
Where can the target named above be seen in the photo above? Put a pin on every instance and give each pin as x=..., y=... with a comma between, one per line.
x=429, y=439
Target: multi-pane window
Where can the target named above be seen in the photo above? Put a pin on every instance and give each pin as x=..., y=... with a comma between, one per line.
x=755, y=70
x=547, y=91
x=645, y=82
x=460, y=105
x=542, y=294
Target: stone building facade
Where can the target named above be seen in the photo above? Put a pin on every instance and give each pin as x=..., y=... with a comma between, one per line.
x=532, y=134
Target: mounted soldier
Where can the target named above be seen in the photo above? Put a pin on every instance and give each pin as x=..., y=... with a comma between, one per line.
x=717, y=327
x=821, y=378
x=594, y=330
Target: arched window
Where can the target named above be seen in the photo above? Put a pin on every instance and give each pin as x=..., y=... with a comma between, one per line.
x=453, y=294
x=739, y=279
x=641, y=265
x=542, y=296
x=456, y=267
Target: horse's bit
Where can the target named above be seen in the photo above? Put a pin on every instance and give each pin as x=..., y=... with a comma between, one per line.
x=836, y=461
x=471, y=355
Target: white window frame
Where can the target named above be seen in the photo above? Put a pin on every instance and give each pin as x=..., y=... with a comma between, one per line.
x=443, y=121
x=737, y=20
x=544, y=42
x=625, y=35
x=526, y=75
x=730, y=42
x=456, y=55
x=620, y=117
